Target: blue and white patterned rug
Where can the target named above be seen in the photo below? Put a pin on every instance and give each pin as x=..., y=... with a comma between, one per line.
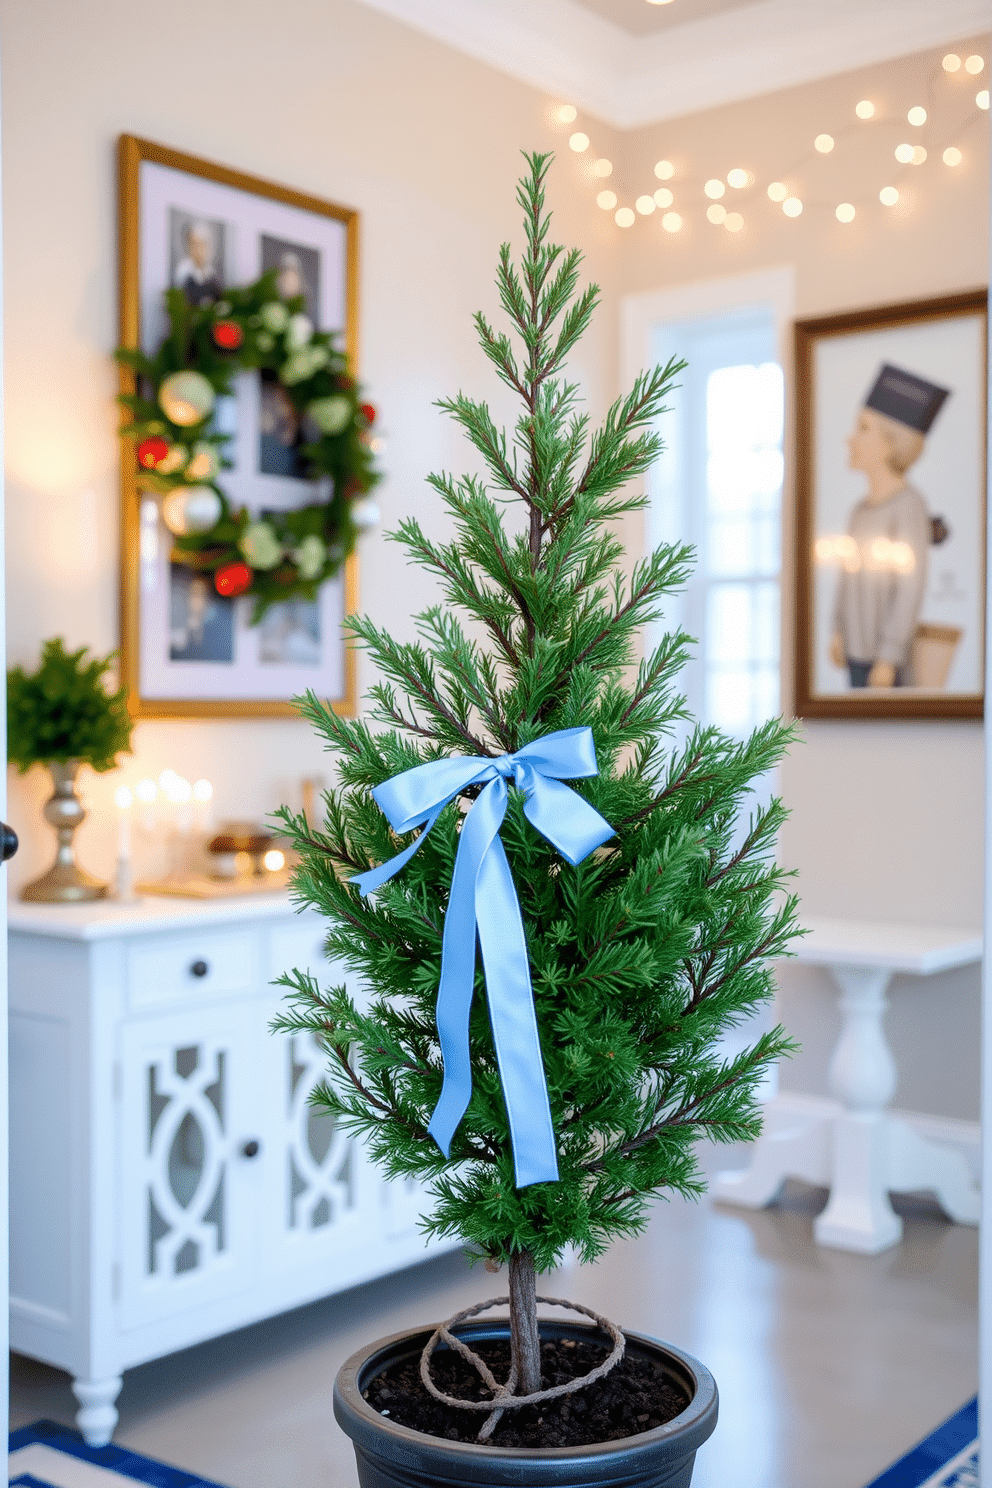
x=47, y=1455
x=947, y=1458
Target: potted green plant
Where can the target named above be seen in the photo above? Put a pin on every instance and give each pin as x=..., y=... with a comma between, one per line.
x=544, y=1096
x=63, y=716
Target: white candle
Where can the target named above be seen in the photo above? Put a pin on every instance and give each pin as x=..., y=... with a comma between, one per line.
x=203, y=794
x=124, y=797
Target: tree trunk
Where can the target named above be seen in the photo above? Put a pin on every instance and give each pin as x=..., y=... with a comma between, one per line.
x=524, y=1341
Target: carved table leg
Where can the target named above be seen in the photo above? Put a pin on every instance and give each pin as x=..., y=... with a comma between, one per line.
x=863, y=1079
x=98, y=1416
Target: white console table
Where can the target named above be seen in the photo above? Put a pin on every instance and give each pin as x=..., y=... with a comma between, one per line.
x=168, y=1179
x=853, y=1146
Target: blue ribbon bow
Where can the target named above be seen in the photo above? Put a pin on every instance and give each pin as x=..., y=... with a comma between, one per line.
x=483, y=901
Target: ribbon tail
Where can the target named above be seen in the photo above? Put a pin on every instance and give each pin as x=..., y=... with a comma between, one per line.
x=514, y=1021
x=374, y=878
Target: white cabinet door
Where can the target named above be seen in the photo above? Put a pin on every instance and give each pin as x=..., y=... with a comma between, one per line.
x=192, y=1161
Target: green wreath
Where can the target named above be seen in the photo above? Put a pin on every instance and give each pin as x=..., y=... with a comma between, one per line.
x=179, y=449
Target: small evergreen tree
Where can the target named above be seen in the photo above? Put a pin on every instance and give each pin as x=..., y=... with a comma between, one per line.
x=648, y=951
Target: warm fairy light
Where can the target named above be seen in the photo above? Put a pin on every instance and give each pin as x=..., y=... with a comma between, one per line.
x=716, y=213
x=274, y=860
x=919, y=155
x=715, y=188
x=663, y=197
x=645, y=205
x=952, y=155
x=567, y=113
x=982, y=98
x=659, y=2
x=738, y=178
x=824, y=143
x=203, y=791
x=672, y=222
x=664, y=170
x=624, y=218
x=904, y=154
x=974, y=65
x=578, y=142
x=733, y=222
x=951, y=63
x=792, y=206
x=865, y=109
x=845, y=212
x=778, y=191
x=123, y=798
x=146, y=792
x=888, y=196
x=176, y=790
x=917, y=115
x=607, y=200
x=602, y=168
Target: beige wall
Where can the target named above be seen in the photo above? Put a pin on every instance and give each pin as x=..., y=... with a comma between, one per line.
x=340, y=101
x=886, y=817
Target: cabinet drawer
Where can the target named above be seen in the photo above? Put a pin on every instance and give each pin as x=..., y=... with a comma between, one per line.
x=183, y=968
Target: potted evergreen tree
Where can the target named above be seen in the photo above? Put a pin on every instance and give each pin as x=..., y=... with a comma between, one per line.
x=543, y=1097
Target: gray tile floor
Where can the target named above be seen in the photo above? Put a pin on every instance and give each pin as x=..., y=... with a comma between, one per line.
x=829, y=1365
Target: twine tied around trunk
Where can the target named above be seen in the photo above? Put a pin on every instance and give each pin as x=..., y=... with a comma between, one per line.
x=504, y=1398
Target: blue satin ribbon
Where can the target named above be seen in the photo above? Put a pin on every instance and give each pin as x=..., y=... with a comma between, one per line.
x=483, y=902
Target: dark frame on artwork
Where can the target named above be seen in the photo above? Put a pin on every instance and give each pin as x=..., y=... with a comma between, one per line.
x=132, y=154
x=812, y=699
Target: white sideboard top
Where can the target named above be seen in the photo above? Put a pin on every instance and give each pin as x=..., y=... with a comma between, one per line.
x=105, y=918
x=922, y=949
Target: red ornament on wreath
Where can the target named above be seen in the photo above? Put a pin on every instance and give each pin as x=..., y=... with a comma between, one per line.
x=232, y=579
x=150, y=451
x=369, y=412
x=228, y=335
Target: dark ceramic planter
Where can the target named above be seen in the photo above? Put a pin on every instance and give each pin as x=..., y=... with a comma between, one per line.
x=393, y=1456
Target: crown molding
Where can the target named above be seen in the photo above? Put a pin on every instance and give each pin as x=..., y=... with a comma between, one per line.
x=631, y=81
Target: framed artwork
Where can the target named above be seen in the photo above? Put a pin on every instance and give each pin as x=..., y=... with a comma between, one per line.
x=187, y=651
x=891, y=489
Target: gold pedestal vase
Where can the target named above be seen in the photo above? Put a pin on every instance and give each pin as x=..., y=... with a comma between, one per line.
x=65, y=882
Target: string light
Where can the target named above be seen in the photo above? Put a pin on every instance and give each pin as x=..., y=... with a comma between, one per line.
x=952, y=155
x=792, y=206
x=865, y=109
x=715, y=189
x=645, y=205
x=919, y=155
x=845, y=212
x=738, y=178
x=888, y=196
x=672, y=222
x=904, y=154
x=951, y=63
x=974, y=65
x=824, y=143
x=733, y=222
x=778, y=191
x=982, y=99
x=716, y=213
x=917, y=116
x=607, y=200
x=579, y=142
x=663, y=197
x=624, y=218
x=567, y=113
x=664, y=170
x=602, y=168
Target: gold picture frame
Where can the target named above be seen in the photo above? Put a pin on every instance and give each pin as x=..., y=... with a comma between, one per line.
x=842, y=363
x=143, y=167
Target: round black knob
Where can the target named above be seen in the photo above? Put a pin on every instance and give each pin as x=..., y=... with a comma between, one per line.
x=251, y=1149
x=199, y=969
x=8, y=841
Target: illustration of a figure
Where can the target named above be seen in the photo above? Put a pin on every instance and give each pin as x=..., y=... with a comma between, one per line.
x=884, y=556
x=196, y=274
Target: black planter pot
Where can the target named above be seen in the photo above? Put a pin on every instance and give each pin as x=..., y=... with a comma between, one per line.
x=394, y=1456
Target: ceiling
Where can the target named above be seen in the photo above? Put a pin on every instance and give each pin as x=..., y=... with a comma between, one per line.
x=631, y=63
x=642, y=19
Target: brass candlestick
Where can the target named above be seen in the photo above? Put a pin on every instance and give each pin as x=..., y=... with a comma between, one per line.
x=65, y=882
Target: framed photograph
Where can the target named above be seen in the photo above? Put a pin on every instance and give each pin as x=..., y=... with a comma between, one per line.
x=891, y=483
x=186, y=651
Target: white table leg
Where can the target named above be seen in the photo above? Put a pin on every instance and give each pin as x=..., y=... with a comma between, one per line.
x=791, y=1145
x=98, y=1416
x=863, y=1079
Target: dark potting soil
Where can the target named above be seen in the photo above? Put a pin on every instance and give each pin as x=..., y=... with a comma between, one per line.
x=635, y=1396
